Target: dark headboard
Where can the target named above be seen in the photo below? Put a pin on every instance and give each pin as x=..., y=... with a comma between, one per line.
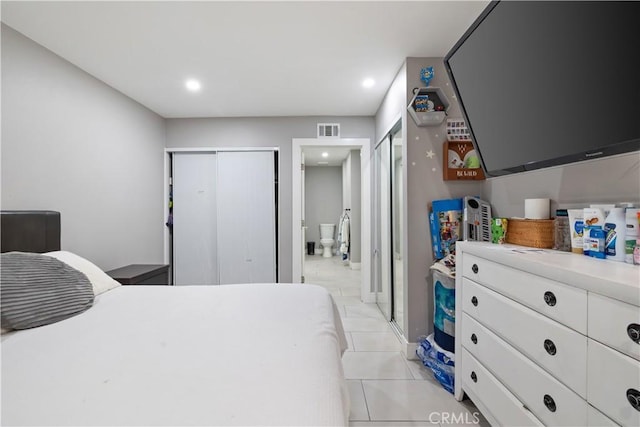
x=29, y=231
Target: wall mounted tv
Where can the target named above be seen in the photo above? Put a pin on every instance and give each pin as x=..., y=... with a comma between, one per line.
x=548, y=83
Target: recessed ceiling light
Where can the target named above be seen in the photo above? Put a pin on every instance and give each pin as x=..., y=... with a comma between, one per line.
x=368, y=82
x=193, y=85
x=323, y=163
x=325, y=154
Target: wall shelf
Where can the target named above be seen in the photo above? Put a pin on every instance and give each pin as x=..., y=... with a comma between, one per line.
x=429, y=106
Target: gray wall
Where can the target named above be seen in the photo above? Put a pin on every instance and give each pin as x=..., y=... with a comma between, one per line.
x=73, y=144
x=323, y=199
x=422, y=183
x=264, y=132
x=425, y=184
x=610, y=180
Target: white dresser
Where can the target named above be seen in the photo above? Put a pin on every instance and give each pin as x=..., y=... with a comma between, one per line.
x=546, y=337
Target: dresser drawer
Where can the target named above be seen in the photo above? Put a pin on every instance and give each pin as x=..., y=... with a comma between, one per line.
x=566, y=304
x=615, y=324
x=614, y=382
x=549, y=400
x=557, y=349
x=506, y=409
x=596, y=418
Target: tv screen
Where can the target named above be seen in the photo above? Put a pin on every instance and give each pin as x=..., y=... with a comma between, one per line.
x=548, y=83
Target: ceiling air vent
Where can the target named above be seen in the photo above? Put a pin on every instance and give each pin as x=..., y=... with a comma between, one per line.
x=331, y=130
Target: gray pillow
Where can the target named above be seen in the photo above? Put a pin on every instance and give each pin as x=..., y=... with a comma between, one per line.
x=37, y=290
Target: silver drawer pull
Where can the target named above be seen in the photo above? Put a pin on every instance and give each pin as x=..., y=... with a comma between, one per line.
x=633, y=330
x=549, y=403
x=550, y=298
x=550, y=347
x=474, y=268
x=633, y=396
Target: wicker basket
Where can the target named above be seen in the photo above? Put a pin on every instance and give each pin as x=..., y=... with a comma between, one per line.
x=535, y=233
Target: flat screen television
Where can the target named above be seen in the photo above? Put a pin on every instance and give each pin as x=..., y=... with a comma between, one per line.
x=548, y=83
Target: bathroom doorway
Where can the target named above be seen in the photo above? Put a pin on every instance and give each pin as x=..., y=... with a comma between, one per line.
x=331, y=214
x=332, y=205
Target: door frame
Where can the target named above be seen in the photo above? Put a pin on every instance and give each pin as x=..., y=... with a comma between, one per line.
x=364, y=144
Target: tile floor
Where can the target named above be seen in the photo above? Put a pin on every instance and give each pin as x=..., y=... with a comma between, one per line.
x=386, y=389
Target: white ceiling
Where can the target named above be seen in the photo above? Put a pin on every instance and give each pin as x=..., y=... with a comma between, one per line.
x=287, y=58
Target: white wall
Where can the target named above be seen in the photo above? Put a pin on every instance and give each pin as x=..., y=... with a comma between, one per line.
x=265, y=132
x=73, y=144
x=394, y=105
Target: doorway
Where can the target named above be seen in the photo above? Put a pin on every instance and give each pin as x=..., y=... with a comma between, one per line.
x=304, y=151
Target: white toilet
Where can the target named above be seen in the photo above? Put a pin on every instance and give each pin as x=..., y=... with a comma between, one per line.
x=326, y=239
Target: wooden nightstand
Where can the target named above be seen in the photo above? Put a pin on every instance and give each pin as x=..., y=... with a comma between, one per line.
x=141, y=274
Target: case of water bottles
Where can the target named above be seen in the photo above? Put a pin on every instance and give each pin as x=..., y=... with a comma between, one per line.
x=438, y=360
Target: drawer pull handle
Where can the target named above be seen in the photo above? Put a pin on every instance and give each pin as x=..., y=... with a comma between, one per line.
x=550, y=347
x=633, y=330
x=474, y=301
x=633, y=396
x=474, y=377
x=549, y=403
x=550, y=298
x=474, y=339
x=474, y=268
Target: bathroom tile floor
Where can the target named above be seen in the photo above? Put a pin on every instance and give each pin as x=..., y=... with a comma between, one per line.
x=385, y=388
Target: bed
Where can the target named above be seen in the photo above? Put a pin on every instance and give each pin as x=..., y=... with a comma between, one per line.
x=255, y=354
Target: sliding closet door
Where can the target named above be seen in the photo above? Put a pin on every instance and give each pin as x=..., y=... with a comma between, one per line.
x=194, y=219
x=246, y=217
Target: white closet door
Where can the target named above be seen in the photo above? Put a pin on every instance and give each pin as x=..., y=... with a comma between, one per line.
x=246, y=217
x=194, y=219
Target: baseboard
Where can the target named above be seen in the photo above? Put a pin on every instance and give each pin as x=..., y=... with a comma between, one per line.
x=354, y=265
x=369, y=298
x=408, y=348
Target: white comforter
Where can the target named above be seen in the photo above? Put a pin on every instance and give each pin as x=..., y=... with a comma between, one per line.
x=197, y=355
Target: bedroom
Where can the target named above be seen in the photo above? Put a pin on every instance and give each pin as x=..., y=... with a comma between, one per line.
x=74, y=144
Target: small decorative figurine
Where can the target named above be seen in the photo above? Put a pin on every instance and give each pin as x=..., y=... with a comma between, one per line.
x=426, y=74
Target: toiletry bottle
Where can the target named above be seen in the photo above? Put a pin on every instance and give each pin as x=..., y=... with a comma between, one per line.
x=594, y=244
x=614, y=228
x=631, y=232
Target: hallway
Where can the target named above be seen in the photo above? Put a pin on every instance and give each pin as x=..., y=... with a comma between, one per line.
x=385, y=388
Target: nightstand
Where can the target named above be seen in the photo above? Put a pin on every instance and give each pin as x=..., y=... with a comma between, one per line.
x=141, y=274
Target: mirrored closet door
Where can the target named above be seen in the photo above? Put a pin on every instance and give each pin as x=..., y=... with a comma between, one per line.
x=389, y=228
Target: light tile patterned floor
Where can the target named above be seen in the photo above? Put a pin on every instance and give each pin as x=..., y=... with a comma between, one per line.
x=386, y=389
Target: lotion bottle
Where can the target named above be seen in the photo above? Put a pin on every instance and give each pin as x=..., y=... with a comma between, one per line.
x=614, y=228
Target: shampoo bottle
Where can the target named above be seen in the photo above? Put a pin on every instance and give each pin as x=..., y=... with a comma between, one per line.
x=614, y=228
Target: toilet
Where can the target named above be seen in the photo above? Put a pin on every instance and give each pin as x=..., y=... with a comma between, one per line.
x=326, y=239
